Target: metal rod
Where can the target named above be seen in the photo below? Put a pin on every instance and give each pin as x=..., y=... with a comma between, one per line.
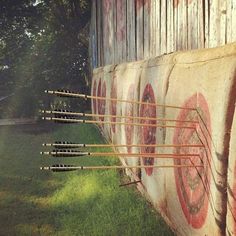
x=66, y=93
x=115, y=116
x=76, y=145
x=61, y=168
x=70, y=120
x=70, y=153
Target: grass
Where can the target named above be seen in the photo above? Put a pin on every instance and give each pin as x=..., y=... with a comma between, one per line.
x=34, y=202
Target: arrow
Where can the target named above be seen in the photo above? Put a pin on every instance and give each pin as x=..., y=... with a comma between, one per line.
x=73, y=153
x=70, y=113
x=64, y=144
x=73, y=120
x=67, y=93
x=62, y=167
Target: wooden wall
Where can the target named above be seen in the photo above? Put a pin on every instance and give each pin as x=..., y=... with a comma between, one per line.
x=130, y=30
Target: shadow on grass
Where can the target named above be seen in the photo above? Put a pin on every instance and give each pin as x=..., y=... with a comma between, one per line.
x=77, y=203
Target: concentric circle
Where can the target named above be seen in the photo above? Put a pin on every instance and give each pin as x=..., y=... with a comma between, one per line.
x=148, y=134
x=193, y=183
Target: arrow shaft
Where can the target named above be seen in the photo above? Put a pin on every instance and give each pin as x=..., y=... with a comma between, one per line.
x=117, y=116
x=116, y=167
x=66, y=120
x=84, y=96
x=111, y=154
x=75, y=145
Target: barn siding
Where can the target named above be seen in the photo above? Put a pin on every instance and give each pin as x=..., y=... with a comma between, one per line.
x=130, y=30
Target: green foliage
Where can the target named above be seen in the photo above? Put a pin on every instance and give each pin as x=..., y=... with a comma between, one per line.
x=43, y=45
x=34, y=202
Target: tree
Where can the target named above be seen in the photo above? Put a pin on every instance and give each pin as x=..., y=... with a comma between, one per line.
x=43, y=45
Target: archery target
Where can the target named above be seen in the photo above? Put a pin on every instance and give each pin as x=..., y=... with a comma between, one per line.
x=129, y=132
x=153, y=85
x=193, y=184
x=197, y=195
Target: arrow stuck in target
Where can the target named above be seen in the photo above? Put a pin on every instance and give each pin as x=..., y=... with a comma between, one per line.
x=62, y=167
x=73, y=153
x=64, y=144
x=70, y=113
x=67, y=93
x=74, y=120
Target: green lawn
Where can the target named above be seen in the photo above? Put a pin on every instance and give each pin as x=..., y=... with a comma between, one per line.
x=34, y=202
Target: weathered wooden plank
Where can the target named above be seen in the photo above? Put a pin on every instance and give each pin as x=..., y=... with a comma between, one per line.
x=200, y=18
x=152, y=28
x=131, y=41
x=158, y=27
x=229, y=21
x=184, y=24
x=146, y=29
x=189, y=25
x=192, y=16
x=163, y=27
x=170, y=28
x=99, y=33
x=175, y=24
x=233, y=20
x=139, y=29
x=116, y=55
x=222, y=16
x=206, y=18
x=108, y=31
x=194, y=30
x=168, y=32
x=214, y=24
x=113, y=31
x=92, y=38
x=121, y=29
x=105, y=12
x=179, y=22
x=124, y=30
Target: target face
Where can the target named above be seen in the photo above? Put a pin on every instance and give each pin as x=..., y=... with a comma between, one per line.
x=148, y=134
x=193, y=183
x=113, y=104
x=94, y=94
x=101, y=103
x=129, y=111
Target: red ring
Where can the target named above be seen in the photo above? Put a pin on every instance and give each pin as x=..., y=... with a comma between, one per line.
x=148, y=134
x=193, y=183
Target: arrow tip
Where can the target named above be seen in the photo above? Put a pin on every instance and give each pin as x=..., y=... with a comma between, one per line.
x=44, y=168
